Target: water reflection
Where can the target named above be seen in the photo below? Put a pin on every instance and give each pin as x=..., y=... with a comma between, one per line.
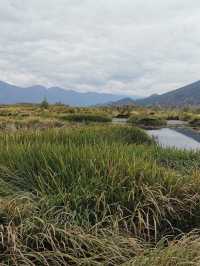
x=119, y=120
x=178, y=138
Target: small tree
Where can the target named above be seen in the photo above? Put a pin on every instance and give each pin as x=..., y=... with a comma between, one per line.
x=44, y=104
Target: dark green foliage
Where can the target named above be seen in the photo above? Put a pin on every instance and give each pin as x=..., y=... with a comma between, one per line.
x=147, y=121
x=44, y=104
x=87, y=118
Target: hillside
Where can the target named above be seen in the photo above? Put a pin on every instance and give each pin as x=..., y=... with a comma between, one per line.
x=187, y=95
x=122, y=102
x=10, y=94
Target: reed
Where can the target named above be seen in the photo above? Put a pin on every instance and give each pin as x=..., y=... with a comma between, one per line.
x=96, y=195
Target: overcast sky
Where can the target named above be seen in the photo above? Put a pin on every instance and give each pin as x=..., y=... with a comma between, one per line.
x=136, y=47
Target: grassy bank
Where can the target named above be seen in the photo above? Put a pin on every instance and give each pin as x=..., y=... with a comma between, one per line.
x=87, y=118
x=95, y=195
x=148, y=121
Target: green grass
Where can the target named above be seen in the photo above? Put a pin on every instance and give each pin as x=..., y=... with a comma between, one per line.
x=87, y=118
x=147, y=121
x=96, y=195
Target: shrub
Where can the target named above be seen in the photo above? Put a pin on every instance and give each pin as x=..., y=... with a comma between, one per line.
x=173, y=117
x=44, y=104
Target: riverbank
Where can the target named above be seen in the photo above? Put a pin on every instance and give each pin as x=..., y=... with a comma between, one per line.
x=77, y=190
x=93, y=195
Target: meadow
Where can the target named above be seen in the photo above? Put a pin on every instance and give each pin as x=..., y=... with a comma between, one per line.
x=85, y=192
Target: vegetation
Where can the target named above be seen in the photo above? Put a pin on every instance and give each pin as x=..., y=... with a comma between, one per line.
x=147, y=121
x=195, y=122
x=79, y=194
x=44, y=104
x=179, y=252
x=87, y=118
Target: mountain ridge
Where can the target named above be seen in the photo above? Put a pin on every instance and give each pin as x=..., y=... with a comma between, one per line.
x=184, y=96
x=11, y=94
x=122, y=102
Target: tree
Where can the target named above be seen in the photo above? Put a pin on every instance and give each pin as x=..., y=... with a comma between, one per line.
x=44, y=104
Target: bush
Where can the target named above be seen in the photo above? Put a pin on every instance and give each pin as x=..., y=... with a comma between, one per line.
x=44, y=104
x=173, y=117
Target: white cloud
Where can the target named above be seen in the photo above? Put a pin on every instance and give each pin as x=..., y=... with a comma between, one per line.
x=119, y=46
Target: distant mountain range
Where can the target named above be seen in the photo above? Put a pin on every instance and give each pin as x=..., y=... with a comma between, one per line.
x=10, y=94
x=185, y=96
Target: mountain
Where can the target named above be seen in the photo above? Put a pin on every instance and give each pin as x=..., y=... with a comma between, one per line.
x=187, y=95
x=122, y=102
x=10, y=94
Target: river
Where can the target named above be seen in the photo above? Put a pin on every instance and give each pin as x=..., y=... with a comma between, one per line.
x=180, y=138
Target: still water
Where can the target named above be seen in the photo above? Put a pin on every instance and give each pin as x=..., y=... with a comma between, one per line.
x=119, y=120
x=177, y=138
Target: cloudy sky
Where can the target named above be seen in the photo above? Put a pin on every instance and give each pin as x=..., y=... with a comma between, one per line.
x=135, y=47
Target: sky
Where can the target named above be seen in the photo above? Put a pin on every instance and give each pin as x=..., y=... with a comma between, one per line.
x=130, y=47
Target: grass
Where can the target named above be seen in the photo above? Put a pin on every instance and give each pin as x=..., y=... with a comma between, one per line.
x=149, y=121
x=195, y=122
x=96, y=195
x=87, y=118
x=184, y=251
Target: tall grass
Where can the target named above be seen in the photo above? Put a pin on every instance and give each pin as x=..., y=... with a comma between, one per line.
x=87, y=118
x=148, y=121
x=91, y=195
x=184, y=251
